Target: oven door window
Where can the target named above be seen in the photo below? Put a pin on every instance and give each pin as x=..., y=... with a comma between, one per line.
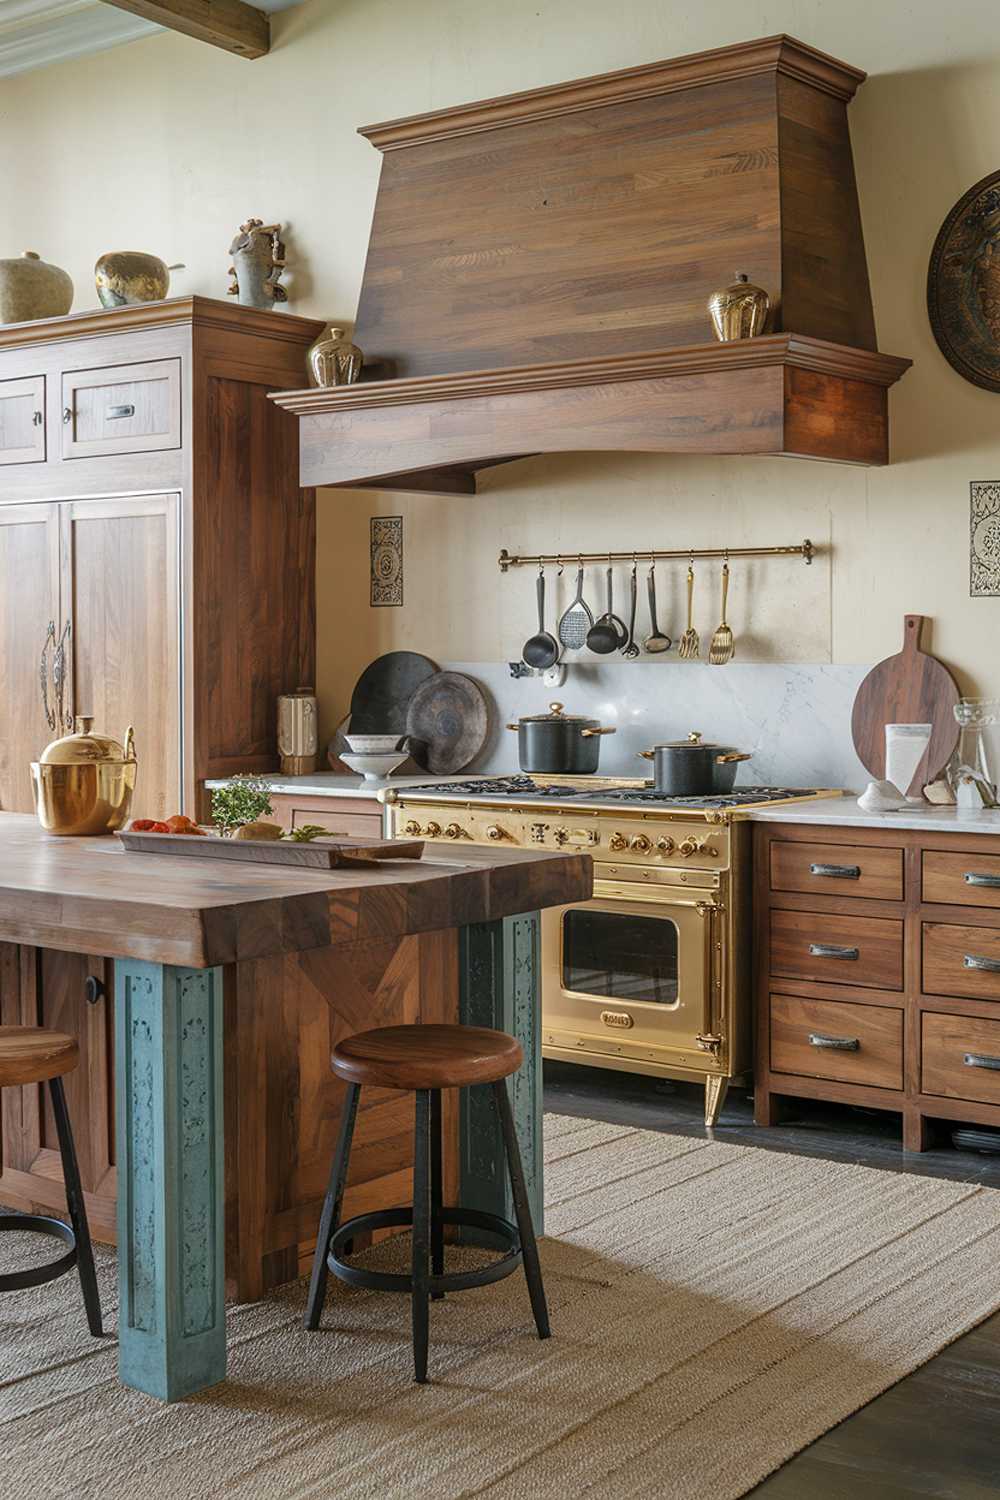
x=618, y=956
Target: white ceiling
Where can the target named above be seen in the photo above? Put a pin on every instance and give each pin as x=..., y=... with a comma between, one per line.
x=34, y=33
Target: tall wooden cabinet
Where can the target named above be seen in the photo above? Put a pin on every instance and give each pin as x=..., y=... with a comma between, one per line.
x=152, y=521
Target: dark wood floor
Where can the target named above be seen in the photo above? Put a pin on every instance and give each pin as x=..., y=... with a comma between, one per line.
x=935, y=1433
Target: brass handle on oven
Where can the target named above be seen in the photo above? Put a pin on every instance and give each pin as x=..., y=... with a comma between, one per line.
x=981, y=1060
x=727, y=760
x=834, y=950
x=978, y=961
x=971, y=878
x=837, y=872
x=588, y=734
x=835, y=1043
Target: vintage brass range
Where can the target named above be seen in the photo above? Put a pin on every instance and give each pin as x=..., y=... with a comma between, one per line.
x=652, y=975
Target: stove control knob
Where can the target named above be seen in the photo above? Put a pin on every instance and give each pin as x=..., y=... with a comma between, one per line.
x=560, y=835
x=432, y=830
x=494, y=832
x=640, y=843
x=687, y=847
x=617, y=842
x=697, y=846
x=411, y=829
x=665, y=845
x=454, y=831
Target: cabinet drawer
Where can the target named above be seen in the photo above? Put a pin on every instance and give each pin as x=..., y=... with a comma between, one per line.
x=359, y=817
x=961, y=961
x=961, y=879
x=22, y=420
x=835, y=1039
x=960, y=1057
x=866, y=951
x=122, y=409
x=837, y=869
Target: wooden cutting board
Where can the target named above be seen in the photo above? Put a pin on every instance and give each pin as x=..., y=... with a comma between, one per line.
x=317, y=854
x=912, y=687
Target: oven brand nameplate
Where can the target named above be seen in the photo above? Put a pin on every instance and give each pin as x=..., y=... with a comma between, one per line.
x=619, y=1018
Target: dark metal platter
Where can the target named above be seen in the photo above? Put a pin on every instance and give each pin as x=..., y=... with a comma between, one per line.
x=382, y=693
x=447, y=723
x=963, y=285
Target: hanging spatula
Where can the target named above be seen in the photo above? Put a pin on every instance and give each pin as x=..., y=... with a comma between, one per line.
x=576, y=620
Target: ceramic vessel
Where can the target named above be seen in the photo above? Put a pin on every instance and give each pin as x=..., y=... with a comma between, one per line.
x=376, y=767
x=30, y=288
x=739, y=311
x=83, y=783
x=881, y=796
x=124, y=277
x=334, y=360
x=258, y=262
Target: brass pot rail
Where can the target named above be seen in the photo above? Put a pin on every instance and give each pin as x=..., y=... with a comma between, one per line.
x=506, y=560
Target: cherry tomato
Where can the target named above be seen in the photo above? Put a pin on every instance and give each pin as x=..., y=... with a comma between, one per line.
x=158, y=828
x=179, y=823
x=141, y=825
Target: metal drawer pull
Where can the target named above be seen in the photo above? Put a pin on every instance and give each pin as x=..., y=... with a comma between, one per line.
x=981, y=1060
x=993, y=881
x=837, y=872
x=119, y=411
x=976, y=961
x=37, y=418
x=836, y=1043
x=833, y=950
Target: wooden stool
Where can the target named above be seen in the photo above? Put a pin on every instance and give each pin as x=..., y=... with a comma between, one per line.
x=30, y=1054
x=426, y=1059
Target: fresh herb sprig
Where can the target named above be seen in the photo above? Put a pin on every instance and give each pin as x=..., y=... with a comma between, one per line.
x=243, y=799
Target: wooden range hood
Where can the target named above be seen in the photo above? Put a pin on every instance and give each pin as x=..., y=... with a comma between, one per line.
x=540, y=265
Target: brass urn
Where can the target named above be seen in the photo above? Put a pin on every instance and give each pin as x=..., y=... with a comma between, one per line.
x=125, y=277
x=334, y=360
x=739, y=311
x=83, y=783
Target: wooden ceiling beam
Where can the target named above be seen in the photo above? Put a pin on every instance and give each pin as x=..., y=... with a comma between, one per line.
x=230, y=24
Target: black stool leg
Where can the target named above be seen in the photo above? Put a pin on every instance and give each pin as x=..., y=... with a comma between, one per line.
x=77, y=1208
x=330, y=1217
x=437, y=1224
x=529, y=1248
x=421, y=1234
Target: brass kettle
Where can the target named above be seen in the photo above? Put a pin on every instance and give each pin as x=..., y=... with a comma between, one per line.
x=83, y=783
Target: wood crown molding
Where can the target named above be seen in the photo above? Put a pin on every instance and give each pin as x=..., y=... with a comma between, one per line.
x=202, y=311
x=774, y=54
x=696, y=359
x=230, y=24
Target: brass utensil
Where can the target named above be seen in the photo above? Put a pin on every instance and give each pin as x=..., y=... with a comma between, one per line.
x=721, y=646
x=690, y=645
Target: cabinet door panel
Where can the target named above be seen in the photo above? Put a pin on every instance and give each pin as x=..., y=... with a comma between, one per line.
x=122, y=409
x=29, y=599
x=22, y=420
x=120, y=558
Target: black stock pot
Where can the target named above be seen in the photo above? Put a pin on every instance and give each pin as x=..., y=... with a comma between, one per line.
x=558, y=744
x=688, y=768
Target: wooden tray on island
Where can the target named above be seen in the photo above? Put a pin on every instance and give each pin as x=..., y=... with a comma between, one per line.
x=317, y=854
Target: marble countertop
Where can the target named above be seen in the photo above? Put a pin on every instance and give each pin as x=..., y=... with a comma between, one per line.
x=340, y=784
x=844, y=812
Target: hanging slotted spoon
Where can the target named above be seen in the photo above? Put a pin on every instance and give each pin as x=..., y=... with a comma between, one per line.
x=690, y=645
x=722, y=646
x=576, y=620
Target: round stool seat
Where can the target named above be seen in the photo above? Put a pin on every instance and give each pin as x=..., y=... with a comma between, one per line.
x=427, y=1057
x=31, y=1054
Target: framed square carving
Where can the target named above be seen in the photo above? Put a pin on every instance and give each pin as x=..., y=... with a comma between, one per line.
x=984, y=537
x=387, y=561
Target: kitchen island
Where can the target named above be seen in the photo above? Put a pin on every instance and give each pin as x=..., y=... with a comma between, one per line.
x=231, y=983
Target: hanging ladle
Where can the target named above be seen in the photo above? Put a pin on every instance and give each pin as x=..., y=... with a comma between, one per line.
x=542, y=649
x=654, y=641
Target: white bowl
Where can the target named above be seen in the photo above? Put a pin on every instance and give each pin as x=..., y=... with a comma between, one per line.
x=376, y=767
x=373, y=744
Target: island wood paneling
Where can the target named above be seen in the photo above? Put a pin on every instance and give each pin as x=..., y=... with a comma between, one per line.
x=29, y=599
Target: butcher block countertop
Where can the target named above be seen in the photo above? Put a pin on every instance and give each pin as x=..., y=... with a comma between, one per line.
x=88, y=895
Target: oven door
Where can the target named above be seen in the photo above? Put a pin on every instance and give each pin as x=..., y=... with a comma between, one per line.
x=632, y=977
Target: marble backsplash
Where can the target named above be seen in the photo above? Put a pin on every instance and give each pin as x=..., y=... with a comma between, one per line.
x=795, y=721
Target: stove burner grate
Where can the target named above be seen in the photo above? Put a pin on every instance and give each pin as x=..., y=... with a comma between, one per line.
x=525, y=788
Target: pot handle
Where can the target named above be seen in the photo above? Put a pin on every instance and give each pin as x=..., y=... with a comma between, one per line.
x=646, y=754
x=588, y=734
x=512, y=726
x=727, y=760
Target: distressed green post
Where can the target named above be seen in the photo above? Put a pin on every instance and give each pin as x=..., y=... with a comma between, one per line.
x=499, y=971
x=171, y=1225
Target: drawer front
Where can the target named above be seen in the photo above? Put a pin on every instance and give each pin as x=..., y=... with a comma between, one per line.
x=961, y=961
x=866, y=951
x=960, y=1057
x=835, y=1039
x=961, y=879
x=837, y=870
x=122, y=409
x=22, y=420
x=357, y=818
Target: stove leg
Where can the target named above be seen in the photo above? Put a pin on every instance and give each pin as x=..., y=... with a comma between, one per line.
x=715, y=1097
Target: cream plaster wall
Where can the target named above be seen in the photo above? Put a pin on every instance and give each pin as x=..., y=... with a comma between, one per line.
x=166, y=145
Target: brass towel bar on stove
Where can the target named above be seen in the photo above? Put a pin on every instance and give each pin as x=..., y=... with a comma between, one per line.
x=805, y=550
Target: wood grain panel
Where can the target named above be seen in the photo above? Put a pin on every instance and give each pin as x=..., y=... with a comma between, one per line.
x=946, y=1041
x=877, y=942
x=944, y=878
x=946, y=950
x=877, y=1030
x=133, y=408
x=837, y=869
x=359, y=817
x=22, y=420
x=29, y=599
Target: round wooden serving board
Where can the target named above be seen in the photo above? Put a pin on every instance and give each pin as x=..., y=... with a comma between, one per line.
x=909, y=688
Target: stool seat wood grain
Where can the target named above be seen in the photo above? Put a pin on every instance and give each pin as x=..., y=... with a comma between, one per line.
x=32, y=1054
x=427, y=1057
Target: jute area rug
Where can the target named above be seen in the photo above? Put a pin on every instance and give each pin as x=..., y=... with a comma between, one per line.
x=715, y=1308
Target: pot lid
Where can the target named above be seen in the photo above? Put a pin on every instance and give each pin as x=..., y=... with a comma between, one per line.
x=694, y=741
x=83, y=747
x=555, y=716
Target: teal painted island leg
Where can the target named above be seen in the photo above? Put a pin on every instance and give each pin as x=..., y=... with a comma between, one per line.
x=171, y=1225
x=500, y=987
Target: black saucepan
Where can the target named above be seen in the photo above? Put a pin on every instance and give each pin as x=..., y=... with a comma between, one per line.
x=558, y=744
x=687, y=768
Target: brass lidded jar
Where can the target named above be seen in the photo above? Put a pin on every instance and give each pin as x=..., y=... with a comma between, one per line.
x=739, y=311
x=83, y=783
x=334, y=360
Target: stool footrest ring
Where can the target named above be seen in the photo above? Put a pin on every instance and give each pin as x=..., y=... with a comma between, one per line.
x=16, y=1281
x=456, y=1281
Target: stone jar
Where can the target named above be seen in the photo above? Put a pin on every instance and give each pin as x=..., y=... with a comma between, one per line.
x=125, y=277
x=30, y=288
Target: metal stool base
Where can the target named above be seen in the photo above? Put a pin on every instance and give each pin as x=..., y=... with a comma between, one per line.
x=16, y=1281
x=455, y=1281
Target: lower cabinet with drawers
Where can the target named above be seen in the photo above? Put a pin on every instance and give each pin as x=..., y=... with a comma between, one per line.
x=878, y=973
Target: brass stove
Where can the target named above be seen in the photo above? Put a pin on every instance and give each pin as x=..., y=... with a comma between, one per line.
x=652, y=975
